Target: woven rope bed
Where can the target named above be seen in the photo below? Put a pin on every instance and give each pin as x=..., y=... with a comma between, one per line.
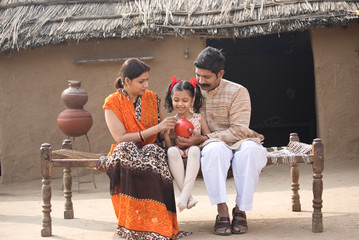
x=292, y=154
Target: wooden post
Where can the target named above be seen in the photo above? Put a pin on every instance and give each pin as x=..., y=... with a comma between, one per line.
x=318, y=167
x=67, y=181
x=294, y=173
x=45, y=158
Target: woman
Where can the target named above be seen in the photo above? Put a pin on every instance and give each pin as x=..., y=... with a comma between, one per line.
x=140, y=181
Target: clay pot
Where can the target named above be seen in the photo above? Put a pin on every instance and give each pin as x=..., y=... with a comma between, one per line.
x=74, y=121
x=74, y=96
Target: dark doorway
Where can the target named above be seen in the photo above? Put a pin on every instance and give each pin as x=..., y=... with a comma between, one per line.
x=278, y=72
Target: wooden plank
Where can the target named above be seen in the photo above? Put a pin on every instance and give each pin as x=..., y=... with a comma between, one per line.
x=91, y=163
x=56, y=2
x=72, y=154
x=76, y=163
x=106, y=60
x=297, y=159
x=259, y=22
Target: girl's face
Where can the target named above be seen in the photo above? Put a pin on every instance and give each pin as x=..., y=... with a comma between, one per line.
x=182, y=101
x=137, y=86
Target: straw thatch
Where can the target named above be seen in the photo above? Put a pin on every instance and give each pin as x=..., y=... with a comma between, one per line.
x=28, y=24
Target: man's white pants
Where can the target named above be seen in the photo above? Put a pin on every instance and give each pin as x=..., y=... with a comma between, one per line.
x=247, y=163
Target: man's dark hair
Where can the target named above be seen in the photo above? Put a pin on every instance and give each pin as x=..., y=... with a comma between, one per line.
x=211, y=59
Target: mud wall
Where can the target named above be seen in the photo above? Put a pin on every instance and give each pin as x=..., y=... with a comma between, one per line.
x=32, y=82
x=336, y=63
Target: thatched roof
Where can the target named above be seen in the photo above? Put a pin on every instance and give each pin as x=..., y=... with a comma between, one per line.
x=32, y=23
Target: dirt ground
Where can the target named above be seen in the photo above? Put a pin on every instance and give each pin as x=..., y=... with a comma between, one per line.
x=271, y=217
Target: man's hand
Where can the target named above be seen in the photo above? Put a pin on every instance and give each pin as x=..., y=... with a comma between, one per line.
x=194, y=140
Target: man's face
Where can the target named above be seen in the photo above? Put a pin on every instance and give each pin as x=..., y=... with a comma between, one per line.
x=207, y=79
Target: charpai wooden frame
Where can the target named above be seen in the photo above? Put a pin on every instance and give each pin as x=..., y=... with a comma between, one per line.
x=50, y=159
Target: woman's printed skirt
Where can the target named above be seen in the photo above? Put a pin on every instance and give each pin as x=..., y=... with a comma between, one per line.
x=142, y=192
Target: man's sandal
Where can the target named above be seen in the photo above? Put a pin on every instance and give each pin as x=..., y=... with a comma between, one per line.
x=222, y=222
x=236, y=222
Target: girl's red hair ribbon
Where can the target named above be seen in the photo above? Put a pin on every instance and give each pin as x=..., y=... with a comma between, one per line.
x=173, y=82
x=194, y=82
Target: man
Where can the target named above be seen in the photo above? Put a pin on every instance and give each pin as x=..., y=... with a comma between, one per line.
x=227, y=109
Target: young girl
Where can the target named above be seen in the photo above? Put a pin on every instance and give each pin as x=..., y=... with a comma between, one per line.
x=182, y=96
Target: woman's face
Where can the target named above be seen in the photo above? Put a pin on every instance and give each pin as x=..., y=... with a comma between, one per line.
x=137, y=86
x=182, y=101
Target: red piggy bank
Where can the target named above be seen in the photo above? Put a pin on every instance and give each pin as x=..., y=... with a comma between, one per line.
x=182, y=127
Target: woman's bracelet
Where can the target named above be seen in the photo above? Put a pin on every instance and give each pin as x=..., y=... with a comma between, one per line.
x=141, y=137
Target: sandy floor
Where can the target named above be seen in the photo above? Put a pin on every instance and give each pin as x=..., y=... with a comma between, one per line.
x=271, y=218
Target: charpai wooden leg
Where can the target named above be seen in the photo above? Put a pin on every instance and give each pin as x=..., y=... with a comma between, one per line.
x=67, y=181
x=67, y=178
x=47, y=162
x=294, y=173
x=45, y=157
x=296, y=207
x=318, y=167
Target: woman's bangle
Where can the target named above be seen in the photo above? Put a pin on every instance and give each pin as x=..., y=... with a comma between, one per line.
x=141, y=137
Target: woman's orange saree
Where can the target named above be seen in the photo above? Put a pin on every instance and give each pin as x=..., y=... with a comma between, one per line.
x=140, y=181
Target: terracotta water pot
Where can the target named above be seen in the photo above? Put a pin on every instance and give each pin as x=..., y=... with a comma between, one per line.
x=74, y=121
x=74, y=96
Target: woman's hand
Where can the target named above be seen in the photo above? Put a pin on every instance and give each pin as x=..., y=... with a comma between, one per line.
x=167, y=124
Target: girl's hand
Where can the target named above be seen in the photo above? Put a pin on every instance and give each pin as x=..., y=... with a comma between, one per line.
x=194, y=140
x=166, y=133
x=167, y=138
